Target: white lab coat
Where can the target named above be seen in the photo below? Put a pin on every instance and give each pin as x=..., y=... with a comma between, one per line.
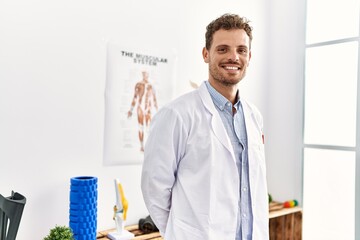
x=190, y=181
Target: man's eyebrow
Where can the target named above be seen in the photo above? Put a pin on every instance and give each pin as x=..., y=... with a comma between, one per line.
x=222, y=45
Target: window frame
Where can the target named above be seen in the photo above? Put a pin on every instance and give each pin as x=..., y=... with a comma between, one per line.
x=355, y=149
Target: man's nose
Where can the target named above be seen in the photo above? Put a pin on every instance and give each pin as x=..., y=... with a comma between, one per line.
x=234, y=56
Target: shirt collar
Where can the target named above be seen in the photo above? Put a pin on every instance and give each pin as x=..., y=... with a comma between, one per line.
x=220, y=101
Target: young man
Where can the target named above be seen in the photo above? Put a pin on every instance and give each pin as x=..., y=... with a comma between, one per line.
x=204, y=175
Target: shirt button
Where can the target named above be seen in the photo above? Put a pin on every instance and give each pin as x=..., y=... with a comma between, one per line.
x=244, y=189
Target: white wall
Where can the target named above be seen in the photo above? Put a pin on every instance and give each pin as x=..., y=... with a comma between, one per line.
x=286, y=31
x=52, y=80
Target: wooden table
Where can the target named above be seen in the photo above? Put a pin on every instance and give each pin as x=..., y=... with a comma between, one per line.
x=139, y=235
x=284, y=224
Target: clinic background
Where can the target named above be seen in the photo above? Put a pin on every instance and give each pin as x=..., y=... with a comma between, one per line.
x=52, y=81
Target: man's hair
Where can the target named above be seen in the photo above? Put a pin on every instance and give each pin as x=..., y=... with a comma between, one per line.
x=227, y=22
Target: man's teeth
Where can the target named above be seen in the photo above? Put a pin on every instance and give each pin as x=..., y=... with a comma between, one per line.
x=231, y=68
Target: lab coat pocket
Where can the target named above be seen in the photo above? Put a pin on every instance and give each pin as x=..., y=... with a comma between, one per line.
x=187, y=231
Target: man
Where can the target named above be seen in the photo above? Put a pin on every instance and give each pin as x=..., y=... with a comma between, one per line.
x=204, y=175
x=143, y=88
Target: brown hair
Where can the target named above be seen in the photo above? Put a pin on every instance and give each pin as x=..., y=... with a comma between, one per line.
x=227, y=22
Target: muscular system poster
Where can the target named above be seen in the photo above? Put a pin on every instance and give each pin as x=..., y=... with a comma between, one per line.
x=138, y=83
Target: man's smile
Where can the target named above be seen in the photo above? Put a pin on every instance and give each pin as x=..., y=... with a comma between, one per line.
x=231, y=67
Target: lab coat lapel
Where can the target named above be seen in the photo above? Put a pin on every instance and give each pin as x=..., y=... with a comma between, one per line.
x=253, y=128
x=251, y=136
x=216, y=122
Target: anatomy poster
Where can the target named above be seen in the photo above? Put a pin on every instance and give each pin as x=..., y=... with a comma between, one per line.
x=138, y=83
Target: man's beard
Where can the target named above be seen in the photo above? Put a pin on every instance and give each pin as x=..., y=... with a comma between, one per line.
x=222, y=79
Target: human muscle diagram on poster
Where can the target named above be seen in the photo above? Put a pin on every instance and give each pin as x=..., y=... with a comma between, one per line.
x=138, y=83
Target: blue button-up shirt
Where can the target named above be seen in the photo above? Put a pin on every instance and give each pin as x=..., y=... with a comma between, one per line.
x=234, y=123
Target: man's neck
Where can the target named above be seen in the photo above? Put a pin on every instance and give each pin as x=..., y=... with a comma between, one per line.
x=228, y=91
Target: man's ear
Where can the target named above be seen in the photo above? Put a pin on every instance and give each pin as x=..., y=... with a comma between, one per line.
x=205, y=54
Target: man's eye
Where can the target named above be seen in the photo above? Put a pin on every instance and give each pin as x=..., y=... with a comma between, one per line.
x=243, y=51
x=222, y=50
